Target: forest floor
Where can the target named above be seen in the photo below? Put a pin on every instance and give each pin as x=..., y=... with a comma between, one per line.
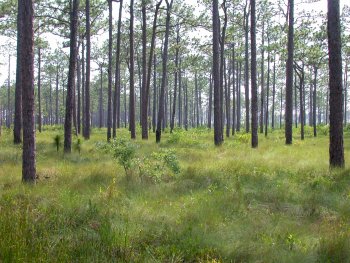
x=231, y=203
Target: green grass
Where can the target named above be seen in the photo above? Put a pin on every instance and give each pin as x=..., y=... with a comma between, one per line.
x=231, y=203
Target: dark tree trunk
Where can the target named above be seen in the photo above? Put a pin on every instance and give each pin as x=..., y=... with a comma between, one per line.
x=254, y=77
x=109, y=102
x=289, y=77
x=132, y=75
x=71, y=78
x=27, y=74
x=18, y=91
x=86, y=131
x=216, y=75
x=164, y=74
x=336, y=147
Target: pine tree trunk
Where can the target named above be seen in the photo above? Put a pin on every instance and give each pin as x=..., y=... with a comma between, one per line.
x=18, y=91
x=336, y=145
x=262, y=94
x=254, y=77
x=164, y=74
x=246, y=68
x=273, y=93
x=109, y=102
x=132, y=75
x=289, y=77
x=71, y=78
x=86, y=131
x=117, y=89
x=27, y=73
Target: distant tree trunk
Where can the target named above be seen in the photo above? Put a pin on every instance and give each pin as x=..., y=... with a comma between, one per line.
x=289, y=77
x=301, y=100
x=345, y=92
x=83, y=112
x=180, y=97
x=109, y=102
x=154, y=93
x=50, y=101
x=125, y=112
x=71, y=77
x=246, y=67
x=18, y=91
x=234, y=104
x=254, y=77
x=295, y=101
x=262, y=95
x=27, y=74
x=186, y=107
x=222, y=68
x=39, y=90
x=117, y=90
x=132, y=88
x=79, y=95
x=267, y=91
x=314, y=102
x=227, y=98
x=216, y=74
x=238, y=82
x=144, y=94
x=210, y=103
x=196, y=98
x=57, y=93
x=336, y=147
x=100, y=101
x=9, y=113
x=273, y=93
x=172, y=122
x=152, y=57
x=164, y=74
x=86, y=131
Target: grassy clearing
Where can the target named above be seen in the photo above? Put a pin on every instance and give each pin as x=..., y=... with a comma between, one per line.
x=228, y=204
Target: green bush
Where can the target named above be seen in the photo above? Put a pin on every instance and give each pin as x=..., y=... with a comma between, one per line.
x=124, y=151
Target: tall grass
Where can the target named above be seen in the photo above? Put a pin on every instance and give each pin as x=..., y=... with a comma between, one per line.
x=228, y=204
